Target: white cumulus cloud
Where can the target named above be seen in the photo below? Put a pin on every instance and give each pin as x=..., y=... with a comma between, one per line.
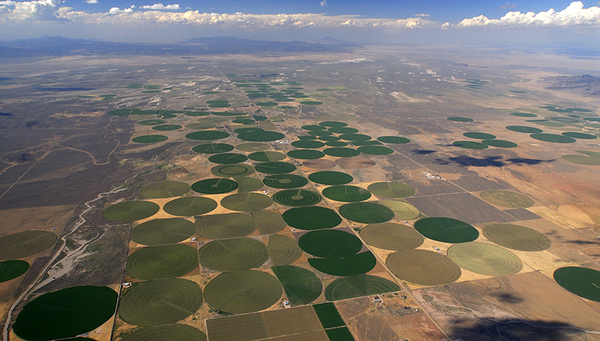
x=91, y=1
x=160, y=6
x=117, y=10
x=323, y=3
x=24, y=10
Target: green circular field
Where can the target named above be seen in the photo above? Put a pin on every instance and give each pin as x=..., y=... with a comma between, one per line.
x=227, y=158
x=329, y=139
x=343, y=130
x=212, y=148
x=283, y=250
x=200, y=125
x=581, y=281
x=165, y=333
x=207, y=135
x=149, y=138
x=301, y=286
x=314, y=127
x=285, y=181
x=485, y=259
x=261, y=136
x=552, y=138
x=564, y=119
x=366, y=212
x=330, y=243
x=66, y=313
x=375, y=150
x=390, y=189
x=391, y=236
x=333, y=124
x=247, y=184
x=232, y=170
x=246, y=202
x=164, y=261
x=393, y=139
x=275, y=167
x=582, y=136
x=330, y=178
x=190, y=206
x=297, y=197
x=499, y=143
x=524, y=129
x=469, y=145
x=165, y=189
x=523, y=114
x=346, y=193
x=130, y=211
x=167, y=127
x=26, y=243
x=355, y=137
x=152, y=122
x=243, y=291
x=244, y=121
x=11, y=269
x=423, y=267
x=233, y=254
x=341, y=152
x=348, y=266
x=479, y=136
x=517, y=237
x=307, y=144
x=228, y=225
x=402, y=210
x=214, y=186
x=446, y=230
x=268, y=156
x=320, y=133
x=248, y=129
x=459, y=119
x=336, y=144
x=268, y=222
x=506, y=199
x=162, y=231
x=252, y=147
x=306, y=154
x=159, y=302
x=358, y=286
x=311, y=218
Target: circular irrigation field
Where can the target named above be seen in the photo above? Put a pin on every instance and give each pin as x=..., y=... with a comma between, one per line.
x=581, y=281
x=358, y=286
x=214, y=186
x=253, y=147
x=517, y=237
x=343, y=130
x=162, y=231
x=311, y=218
x=149, y=138
x=247, y=184
x=232, y=170
x=582, y=136
x=228, y=225
x=446, y=230
x=375, y=150
x=485, y=259
x=66, y=313
x=167, y=127
x=423, y=267
x=159, y=302
x=207, y=135
x=459, y=119
x=469, y=145
x=164, y=261
x=353, y=265
x=267, y=156
x=552, y=138
x=308, y=144
x=268, y=222
x=275, y=167
x=582, y=159
x=165, y=333
x=390, y=189
x=26, y=243
x=233, y=254
x=243, y=291
x=297, y=197
x=130, y=211
x=479, y=136
x=212, y=148
x=165, y=189
x=305, y=154
x=301, y=286
x=246, y=202
x=499, y=143
x=330, y=178
x=283, y=250
x=190, y=206
x=346, y=193
x=524, y=129
x=506, y=199
x=227, y=158
x=11, y=269
x=336, y=144
x=330, y=243
x=355, y=163
x=261, y=136
x=393, y=139
x=391, y=236
x=402, y=210
x=366, y=212
x=341, y=152
x=285, y=181
x=319, y=164
x=333, y=124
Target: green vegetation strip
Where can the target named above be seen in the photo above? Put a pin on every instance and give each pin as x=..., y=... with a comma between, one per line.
x=390, y=189
x=261, y=136
x=149, y=138
x=243, y=291
x=341, y=152
x=212, y=148
x=165, y=189
x=26, y=243
x=582, y=136
x=524, y=129
x=346, y=193
x=517, y=237
x=459, y=119
x=11, y=269
x=423, y=267
x=485, y=259
x=228, y=225
x=523, y=114
x=333, y=124
x=232, y=170
x=305, y=154
x=160, y=302
x=283, y=250
x=506, y=199
x=190, y=206
x=469, y=145
x=328, y=315
x=479, y=136
x=285, y=181
x=552, y=138
x=214, y=186
x=402, y=210
x=358, y=286
x=130, y=211
x=267, y=156
x=366, y=212
x=165, y=333
x=330, y=243
x=233, y=254
x=275, y=167
x=207, y=135
x=393, y=139
x=446, y=230
x=391, y=236
x=297, y=197
x=581, y=281
x=330, y=178
x=348, y=266
x=66, y=313
x=246, y=202
x=499, y=143
x=162, y=231
x=301, y=286
x=311, y=218
x=165, y=261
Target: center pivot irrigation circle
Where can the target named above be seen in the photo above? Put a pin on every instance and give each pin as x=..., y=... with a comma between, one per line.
x=233, y=254
x=160, y=302
x=402, y=210
x=165, y=189
x=246, y=202
x=261, y=136
x=247, y=184
x=311, y=218
x=485, y=259
x=166, y=333
x=163, y=261
x=275, y=167
x=352, y=265
x=229, y=225
x=232, y=170
x=11, y=269
x=391, y=236
x=446, y=230
x=308, y=144
x=423, y=267
x=305, y=154
x=393, y=139
x=297, y=197
x=553, y=138
x=268, y=222
x=375, y=150
x=346, y=193
x=366, y=212
x=162, y=231
x=267, y=156
x=330, y=243
x=479, y=136
x=243, y=291
x=212, y=148
x=26, y=243
x=358, y=286
x=190, y=206
x=130, y=211
x=581, y=281
x=283, y=250
x=390, y=189
x=207, y=135
x=330, y=178
x=341, y=152
x=285, y=181
x=227, y=158
x=517, y=237
x=333, y=124
x=214, y=186
x=507, y=199
x=301, y=286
